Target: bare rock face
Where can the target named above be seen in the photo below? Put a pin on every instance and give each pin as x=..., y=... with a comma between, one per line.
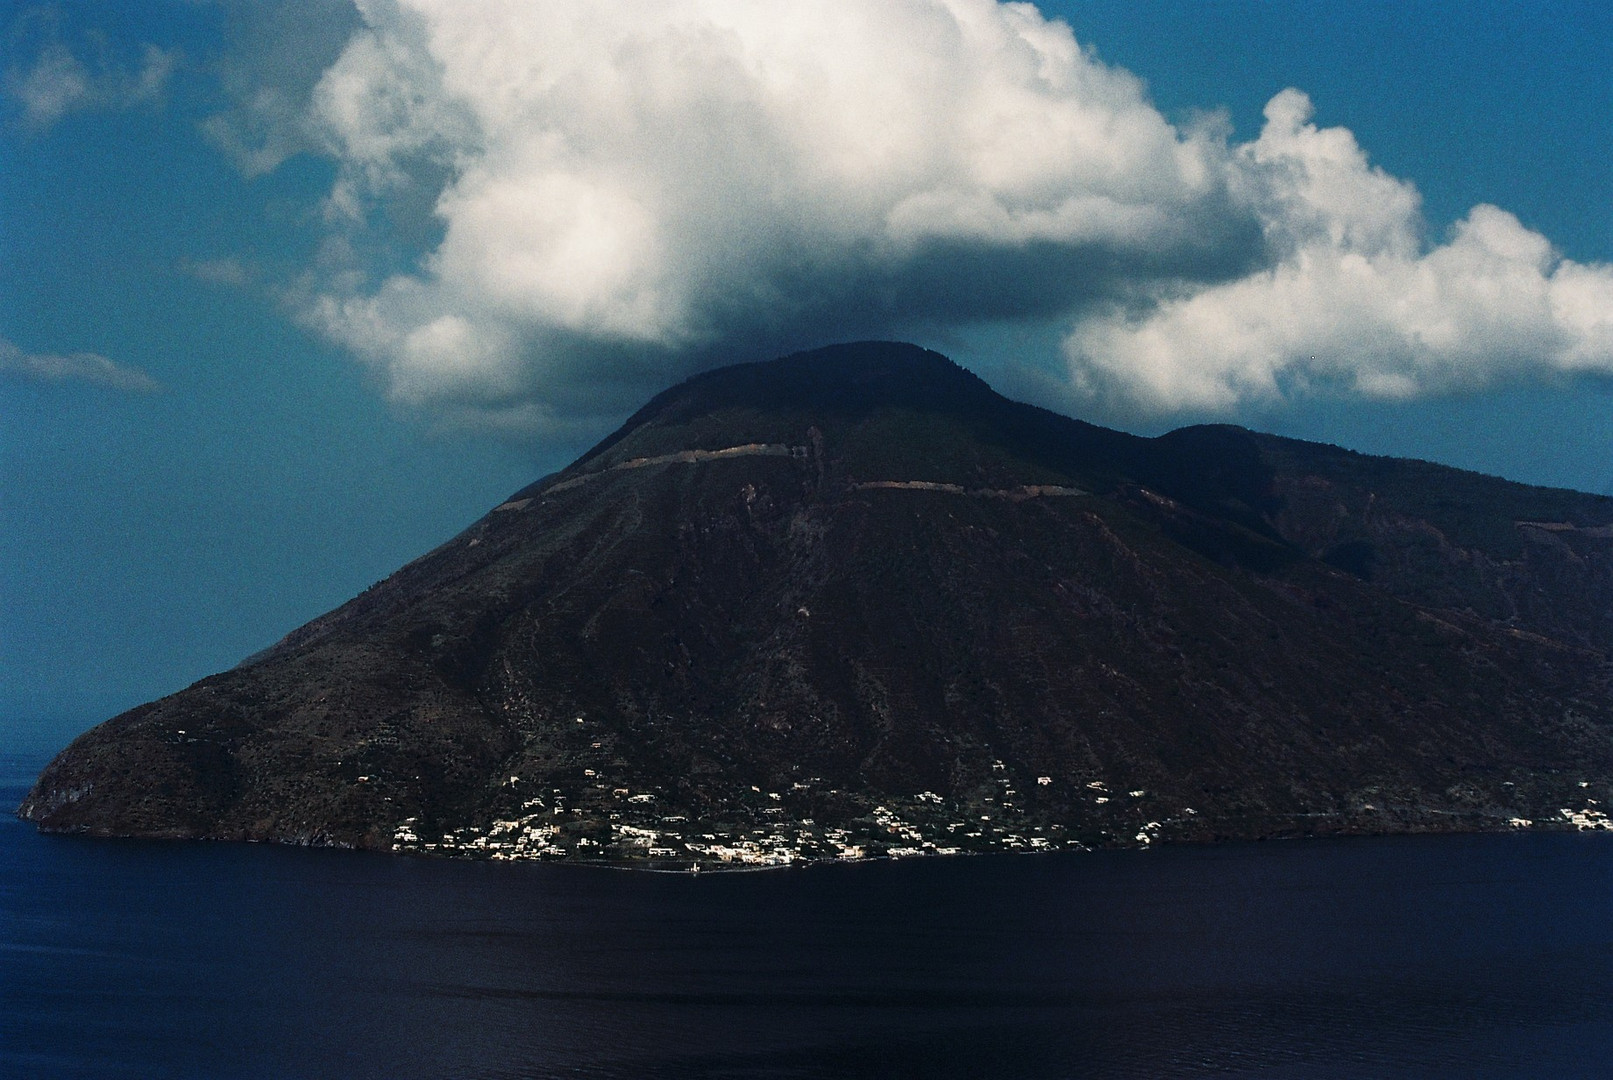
x=852, y=603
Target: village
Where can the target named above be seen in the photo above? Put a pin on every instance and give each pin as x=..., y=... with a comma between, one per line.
x=618, y=825
x=598, y=823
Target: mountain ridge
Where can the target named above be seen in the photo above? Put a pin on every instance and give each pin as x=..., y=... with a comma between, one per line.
x=809, y=608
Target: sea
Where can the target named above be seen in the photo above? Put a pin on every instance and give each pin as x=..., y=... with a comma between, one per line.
x=1415, y=957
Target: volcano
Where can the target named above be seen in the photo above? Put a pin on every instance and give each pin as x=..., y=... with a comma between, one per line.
x=854, y=603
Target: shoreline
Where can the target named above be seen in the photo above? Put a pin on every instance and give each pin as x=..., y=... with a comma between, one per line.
x=1574, y=822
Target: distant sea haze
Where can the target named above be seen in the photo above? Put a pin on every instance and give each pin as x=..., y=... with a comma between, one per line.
x=1405, y=957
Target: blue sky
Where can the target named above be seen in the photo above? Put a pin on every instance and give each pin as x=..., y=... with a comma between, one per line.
x=288, y=293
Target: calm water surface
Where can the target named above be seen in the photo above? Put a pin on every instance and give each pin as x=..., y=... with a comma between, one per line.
x=1485, y=956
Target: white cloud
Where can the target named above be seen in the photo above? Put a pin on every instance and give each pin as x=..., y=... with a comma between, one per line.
x=58, y=82
x=1355, y=301
x=681, y=179
x=281, y=49
x=612, y=194
x=73, y=367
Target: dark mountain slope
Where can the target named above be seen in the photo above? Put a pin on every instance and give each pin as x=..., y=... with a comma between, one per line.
x=853, y=600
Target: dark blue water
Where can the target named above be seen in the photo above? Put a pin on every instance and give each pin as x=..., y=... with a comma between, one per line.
x=1485, y=956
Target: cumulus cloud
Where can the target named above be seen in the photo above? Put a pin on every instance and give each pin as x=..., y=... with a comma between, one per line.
x=610, y=195
x=1355, y=301
x=82, y=367
x=659, y=185
x=56, y=80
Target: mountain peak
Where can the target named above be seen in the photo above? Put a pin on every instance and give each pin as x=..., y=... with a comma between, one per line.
x=836, y=380
x=850, y=376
